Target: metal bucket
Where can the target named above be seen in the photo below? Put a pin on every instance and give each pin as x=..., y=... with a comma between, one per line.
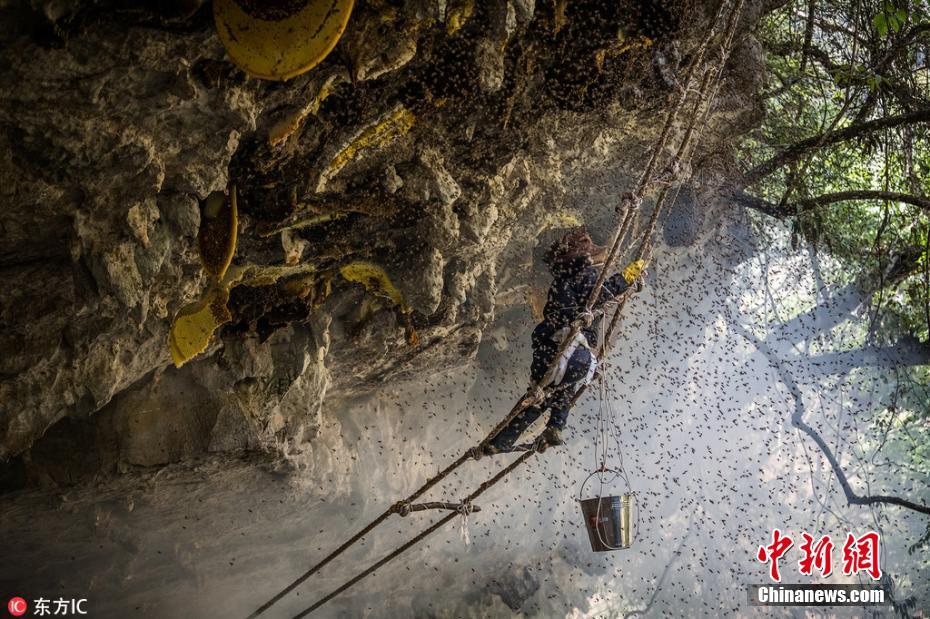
x=609, y=520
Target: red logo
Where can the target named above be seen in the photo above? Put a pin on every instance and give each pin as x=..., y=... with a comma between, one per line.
x=773, y=552
x=860, y=554
x=819, y=555
x=17, y=607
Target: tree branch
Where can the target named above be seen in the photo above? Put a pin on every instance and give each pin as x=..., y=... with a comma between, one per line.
x=770, y=208
x=808, y=33
x=907, y=352
x=879, y=68
x=797, y=419
x=851, y=497
x=797, y=151
x=908, y=99
x=864, y=194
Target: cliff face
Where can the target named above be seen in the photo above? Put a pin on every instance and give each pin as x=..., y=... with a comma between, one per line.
x=701, y=422
x=436, y=143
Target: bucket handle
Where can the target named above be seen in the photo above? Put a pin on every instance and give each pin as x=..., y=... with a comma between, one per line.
x=598, y=471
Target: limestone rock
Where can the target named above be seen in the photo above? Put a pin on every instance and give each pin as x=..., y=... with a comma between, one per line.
x=440, y=153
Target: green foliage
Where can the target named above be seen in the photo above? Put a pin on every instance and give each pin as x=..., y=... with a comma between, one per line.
x=889, y=18
x=867, y=60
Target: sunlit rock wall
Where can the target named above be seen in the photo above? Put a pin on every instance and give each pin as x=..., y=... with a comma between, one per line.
x=118, y=123
x=698, y=416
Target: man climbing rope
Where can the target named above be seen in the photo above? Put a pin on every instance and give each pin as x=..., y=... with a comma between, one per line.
x=573, y=261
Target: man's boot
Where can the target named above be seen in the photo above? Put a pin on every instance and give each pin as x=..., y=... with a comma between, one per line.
x=489, y=449
x=550, y=437
x=496, y=445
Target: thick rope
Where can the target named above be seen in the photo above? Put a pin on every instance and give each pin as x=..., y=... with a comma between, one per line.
x=695, y=128
x=422, y=535
x=460, y=508
x=534, y=393
x=631, y=201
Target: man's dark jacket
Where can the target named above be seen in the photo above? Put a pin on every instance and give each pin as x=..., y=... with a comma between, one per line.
x=567, y=297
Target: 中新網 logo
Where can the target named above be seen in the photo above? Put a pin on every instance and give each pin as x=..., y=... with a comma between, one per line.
x=860, y=555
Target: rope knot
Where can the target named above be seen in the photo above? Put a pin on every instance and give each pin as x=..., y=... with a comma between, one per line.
x=628, y=199
x=465, y=507
x=535, y=395
x=402, y=508
x=585, y=319
x=676, y=170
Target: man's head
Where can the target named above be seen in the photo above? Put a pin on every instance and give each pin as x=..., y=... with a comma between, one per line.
x=575, y=245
